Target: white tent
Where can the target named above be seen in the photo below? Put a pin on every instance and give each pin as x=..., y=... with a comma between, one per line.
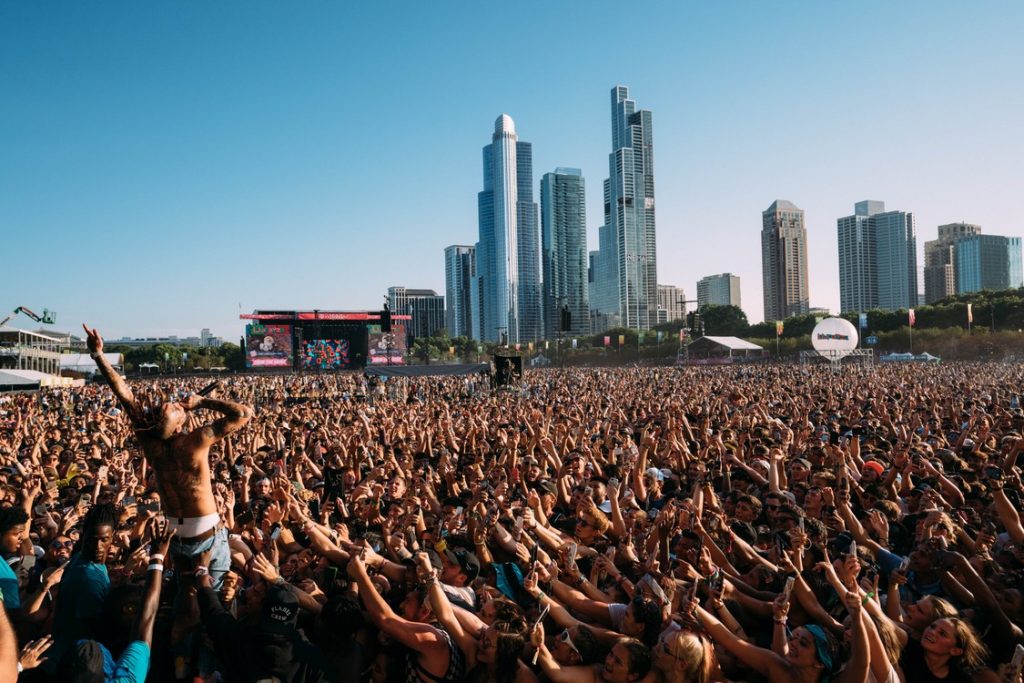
x=19, y=380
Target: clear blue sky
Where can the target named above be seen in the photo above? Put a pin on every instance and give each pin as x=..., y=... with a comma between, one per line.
x=163, y=162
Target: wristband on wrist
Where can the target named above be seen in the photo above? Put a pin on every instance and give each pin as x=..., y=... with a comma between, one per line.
x=200, y=570
x=156, y=566
x=156, y=557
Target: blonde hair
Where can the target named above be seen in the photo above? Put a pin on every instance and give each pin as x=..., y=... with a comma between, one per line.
x=694, y=656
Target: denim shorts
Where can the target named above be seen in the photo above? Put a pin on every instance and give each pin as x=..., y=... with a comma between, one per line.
x=220, y=558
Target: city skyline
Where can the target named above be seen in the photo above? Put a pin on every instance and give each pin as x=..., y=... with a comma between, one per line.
x=172, y=190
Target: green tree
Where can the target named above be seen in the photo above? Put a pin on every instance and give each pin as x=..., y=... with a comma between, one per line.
x=724, y=321
x=423, y=350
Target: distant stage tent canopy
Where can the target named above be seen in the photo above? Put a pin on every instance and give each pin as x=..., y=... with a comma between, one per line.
x=18, y=380
x=426, y=370
x=910, y=358
x=29, y=380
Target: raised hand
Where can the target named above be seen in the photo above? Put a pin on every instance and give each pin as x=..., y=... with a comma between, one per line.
x=162, y=538
x=32, y=654
x=93, y=339
x=265, y=568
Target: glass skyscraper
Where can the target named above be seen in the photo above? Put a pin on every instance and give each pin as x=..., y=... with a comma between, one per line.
x=507, y=281
x=896, y=259
x=624, y=288
x=564, y=251
x=858, y=287
x=459, y=268
x=719, y=290
x=877, y=259
x=988, y=262
x=940, y=260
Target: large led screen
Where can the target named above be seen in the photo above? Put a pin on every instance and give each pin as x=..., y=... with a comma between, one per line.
x=326, y=354
x=384, y=344
x=268, y=346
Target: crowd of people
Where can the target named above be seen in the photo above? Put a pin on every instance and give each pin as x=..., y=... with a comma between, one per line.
x=779, y=523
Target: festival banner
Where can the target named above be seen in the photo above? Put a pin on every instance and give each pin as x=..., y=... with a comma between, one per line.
x=607, y=340
x=911, y=318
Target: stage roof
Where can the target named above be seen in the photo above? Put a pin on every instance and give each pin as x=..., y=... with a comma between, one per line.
x=734, y=343
x=353, y=316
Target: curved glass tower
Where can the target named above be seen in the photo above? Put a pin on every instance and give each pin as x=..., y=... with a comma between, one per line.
x=507, y=274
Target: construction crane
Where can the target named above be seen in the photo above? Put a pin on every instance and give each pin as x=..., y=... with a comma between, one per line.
x=47, y=318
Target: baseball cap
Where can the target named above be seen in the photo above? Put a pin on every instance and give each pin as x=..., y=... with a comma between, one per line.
x=466, y=559
x=84, y=661
x=655, y=473
x=878, y=467
x=546, y=486
x=280, y=611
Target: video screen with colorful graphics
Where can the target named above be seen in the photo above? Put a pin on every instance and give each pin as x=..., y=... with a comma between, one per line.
x=326, y=354
x=383, y=344
x=268, y=346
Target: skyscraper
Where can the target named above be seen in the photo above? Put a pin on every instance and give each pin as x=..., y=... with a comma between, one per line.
x=784, y=261
x=719, y=290
x=877, y=259
x=507, y=280
x=896, y=259
x=564, y=251
x=424, y=305
x=988, y=262
x=459, y=268
x=624, y=289
x=940, y=260
x=671, y=303
x=858, y=287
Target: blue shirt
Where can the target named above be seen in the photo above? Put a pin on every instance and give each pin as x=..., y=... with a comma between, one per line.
x=131, y=667
x=9, y=586
x=83, y=592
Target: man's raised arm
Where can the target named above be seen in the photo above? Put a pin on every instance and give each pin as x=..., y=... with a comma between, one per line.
x=114, y=379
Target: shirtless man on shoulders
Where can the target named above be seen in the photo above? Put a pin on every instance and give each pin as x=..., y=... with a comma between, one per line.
x=180, y=461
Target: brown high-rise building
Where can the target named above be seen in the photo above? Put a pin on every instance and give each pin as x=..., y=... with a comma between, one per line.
x=784, y=261
x=940, y=260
